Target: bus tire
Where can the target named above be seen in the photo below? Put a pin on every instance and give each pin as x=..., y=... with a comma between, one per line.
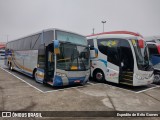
x=10, y=67
x=98, y=75
x=34, y=75
x=156, y=78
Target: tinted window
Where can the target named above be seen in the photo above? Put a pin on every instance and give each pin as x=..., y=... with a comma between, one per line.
x=90, y=42
x=48, y=37
x=41, y=56
x=36, y=41
x=27, y=43
x=152, y=49
x=109, y=48
x=126, y=55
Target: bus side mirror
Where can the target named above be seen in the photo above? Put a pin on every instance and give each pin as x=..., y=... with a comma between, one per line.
x=56, y=46
x=93, y=52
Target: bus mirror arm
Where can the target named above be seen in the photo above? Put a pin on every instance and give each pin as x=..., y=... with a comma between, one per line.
x=56, y=46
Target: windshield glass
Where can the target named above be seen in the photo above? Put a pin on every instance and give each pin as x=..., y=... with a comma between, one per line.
x=142, y=56
x=70, y=37
x=73, y=57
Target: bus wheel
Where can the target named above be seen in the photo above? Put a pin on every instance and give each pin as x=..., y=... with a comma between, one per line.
x=10, y=67
x=157, y=78
x=34, y=76
x=99, y=76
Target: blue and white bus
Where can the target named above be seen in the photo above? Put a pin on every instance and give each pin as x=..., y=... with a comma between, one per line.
x=120, y=57
x=52, y=56
x=154, y=53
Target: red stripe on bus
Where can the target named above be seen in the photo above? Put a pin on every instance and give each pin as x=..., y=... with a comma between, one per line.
x=116, y=32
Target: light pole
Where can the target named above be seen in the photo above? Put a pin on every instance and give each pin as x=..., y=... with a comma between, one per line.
x=103, y=22
x=93, y=31
x=7, y=38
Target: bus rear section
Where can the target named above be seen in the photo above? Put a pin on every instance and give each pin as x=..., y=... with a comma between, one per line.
x=2, y=54
x=55, y=57
x=120, y=57
x=154, y=53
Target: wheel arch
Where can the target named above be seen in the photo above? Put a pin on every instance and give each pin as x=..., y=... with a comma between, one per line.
x=98, y=69
x=34, y=71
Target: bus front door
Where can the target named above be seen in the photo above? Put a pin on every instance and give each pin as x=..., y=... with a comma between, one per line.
x=49, y=73
x=126, y=63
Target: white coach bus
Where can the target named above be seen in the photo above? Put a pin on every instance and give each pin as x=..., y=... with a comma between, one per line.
x=52, y=56
x=120, y=57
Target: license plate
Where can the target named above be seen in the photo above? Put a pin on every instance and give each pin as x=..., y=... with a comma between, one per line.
x=77, y=81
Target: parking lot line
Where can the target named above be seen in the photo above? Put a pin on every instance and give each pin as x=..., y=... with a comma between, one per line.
x=22, y=80
x=89, y=83
x=119, y=88
x=132, y=90
x=148, y=89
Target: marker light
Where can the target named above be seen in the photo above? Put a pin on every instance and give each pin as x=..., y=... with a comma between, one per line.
x=141, y=43
x=158, y=47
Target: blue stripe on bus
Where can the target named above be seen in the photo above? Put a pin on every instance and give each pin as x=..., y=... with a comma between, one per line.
x=57, y=81
x=104, y=61
x=41, y=70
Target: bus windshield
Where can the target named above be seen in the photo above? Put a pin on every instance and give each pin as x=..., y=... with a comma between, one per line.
x=70, y=37
x=73, y=57
x=142, y=56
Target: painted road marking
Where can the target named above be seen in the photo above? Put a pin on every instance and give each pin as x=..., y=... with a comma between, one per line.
x=135, y=90
x=148, y=89
x=21, y=79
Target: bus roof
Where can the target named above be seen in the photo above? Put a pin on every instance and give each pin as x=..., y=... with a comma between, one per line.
x=44, y=30
x=116, y=33
x=152, y=43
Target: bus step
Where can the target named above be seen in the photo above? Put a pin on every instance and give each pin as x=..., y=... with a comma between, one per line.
x=51, y=83
x=126, y=83
x=126, y=79
x=127, y=73
x=130, y=76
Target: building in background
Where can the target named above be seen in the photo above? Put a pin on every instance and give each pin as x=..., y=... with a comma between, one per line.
x=2, y=45
x=2, y=50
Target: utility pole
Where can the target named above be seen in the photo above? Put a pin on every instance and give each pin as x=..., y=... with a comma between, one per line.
x=93, y=31
x=103, y=22
x=7, y=38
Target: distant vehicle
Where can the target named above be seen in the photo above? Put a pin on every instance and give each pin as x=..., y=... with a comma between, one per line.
x=154, y=50
x=53, y=56
x=155, y=39
x=2, y=54
x=120, y=57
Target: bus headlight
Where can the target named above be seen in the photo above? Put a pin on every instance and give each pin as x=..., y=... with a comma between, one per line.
x=139, y=77
x=61, y=74
x=87, y=74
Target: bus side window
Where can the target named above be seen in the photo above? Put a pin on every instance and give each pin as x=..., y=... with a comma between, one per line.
x=90, y=42
x=41, y=56
x=152, y=49
x=109, y=48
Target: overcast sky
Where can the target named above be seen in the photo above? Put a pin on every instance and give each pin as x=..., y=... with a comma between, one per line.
x=22, y=17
